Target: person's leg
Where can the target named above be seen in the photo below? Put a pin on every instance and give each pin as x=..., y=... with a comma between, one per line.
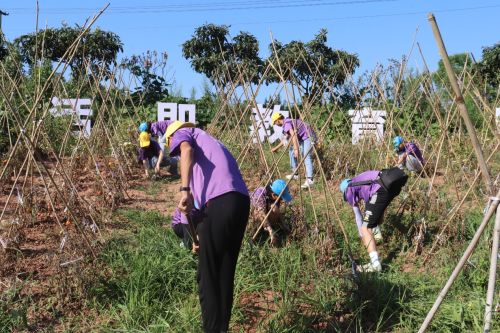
x=220, y=233
x=413, y=164
x=304, y=147
x=152, y=162
x=162, y=140
x=170, y=162
x=240, y=206
x=293, y=160
x=402, y=165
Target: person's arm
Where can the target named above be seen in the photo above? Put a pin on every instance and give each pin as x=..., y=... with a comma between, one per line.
x=187, y=162
x=145, y=164
x=275, y=149
x=283, y=224
x=160, y=159
x=295, y=142
x=359, y=218
x=403, y=157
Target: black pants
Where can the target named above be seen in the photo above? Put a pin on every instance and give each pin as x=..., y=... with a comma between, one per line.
x=182, y=231
x=221, y=230
x=375, y=208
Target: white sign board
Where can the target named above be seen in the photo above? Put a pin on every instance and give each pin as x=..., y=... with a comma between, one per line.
x=264, y=121
x=366, y=123
x=74, y=106
x=168, y=111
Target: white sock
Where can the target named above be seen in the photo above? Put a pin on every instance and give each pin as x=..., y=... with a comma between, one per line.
x=374, y=258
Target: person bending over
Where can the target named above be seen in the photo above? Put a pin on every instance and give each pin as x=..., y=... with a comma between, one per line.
x=210, y=176
x=152, y=156
x=181, y=227
x=367, y=187
x=301, y=142
x=409, y=155
x=157, y=130
x=263, y=199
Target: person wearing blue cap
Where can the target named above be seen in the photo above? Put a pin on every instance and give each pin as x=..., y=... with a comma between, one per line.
x=263, y=199
x=377, y=196
x=410, y=157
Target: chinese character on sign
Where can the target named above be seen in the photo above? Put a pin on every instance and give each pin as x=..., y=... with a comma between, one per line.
x=367, y=123
x=265, y=122
x=70, y=106
x=168, y=111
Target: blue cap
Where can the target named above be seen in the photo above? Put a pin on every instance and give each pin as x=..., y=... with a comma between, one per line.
x=344, y=185
x=143, y=127
x=396, y=142
x=277, y=186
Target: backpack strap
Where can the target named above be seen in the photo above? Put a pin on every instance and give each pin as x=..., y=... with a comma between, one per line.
x=364, y=182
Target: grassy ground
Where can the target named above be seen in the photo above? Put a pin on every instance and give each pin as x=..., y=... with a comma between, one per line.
x=145, y=282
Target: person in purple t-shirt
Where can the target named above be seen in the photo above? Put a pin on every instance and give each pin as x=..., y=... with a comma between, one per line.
x=300, y=139
x=210, y=176
x=365, y=187
x=157, y=130
x=410, y=156
x=263, y=199
x=152, y=156
x=181, y=227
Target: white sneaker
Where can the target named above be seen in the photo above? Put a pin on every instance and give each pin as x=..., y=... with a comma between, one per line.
x=369, y=267
x=377, y=233
x=295, y=177
x=308, y=183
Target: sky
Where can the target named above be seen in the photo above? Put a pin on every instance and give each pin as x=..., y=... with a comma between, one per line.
x=377, y=30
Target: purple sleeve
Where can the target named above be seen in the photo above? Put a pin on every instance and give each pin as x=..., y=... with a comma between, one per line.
x=287, y=126
x=410, y=147
x=178, y=137
x=351, y=196
x=177, y=217
x=258, y=197
x=153, y=130
x=141, y=154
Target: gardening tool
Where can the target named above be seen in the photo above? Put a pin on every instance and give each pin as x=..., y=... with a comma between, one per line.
x=192, y=230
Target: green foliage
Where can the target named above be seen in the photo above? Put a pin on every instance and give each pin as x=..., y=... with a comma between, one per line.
x=153, y=87
x=313, y=66
x=212, y=53
x=98, y=47
x=489, y=66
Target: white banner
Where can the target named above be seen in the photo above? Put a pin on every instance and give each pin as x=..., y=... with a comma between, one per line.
x=74, y=106
x=366, y=123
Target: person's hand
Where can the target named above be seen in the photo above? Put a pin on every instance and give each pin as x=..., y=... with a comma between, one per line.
x=186, y=204
x=296, y=153
x=196, y=248
x=274, y=240
x=274, y=150
x=145, y=176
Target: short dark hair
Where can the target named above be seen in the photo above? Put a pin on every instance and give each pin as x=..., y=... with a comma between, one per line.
x=148, y=128
x=281, y=118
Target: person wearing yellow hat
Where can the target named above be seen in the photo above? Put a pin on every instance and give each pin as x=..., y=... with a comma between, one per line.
x=210, y=176
x=152, y=156
x=301, y=135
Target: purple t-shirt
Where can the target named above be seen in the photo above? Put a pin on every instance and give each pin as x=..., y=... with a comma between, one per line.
x=413, y=149
x=260, y=198
x=215, y=170
x=365, y=192
x=153, y=150
x=302, y=128
x=181, y=218
x=160, y=127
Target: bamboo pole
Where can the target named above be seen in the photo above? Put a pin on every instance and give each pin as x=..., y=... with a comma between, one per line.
x=460, y=264
x=493, y=273
x=461, y=103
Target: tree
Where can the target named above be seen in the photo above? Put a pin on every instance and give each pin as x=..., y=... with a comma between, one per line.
x=489, y=68
x=313, y=66
x=212, y=53
x=98, y=47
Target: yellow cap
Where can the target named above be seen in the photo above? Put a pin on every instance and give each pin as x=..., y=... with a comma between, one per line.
x=144, y=139
x=276, y=116
x=174, y=127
